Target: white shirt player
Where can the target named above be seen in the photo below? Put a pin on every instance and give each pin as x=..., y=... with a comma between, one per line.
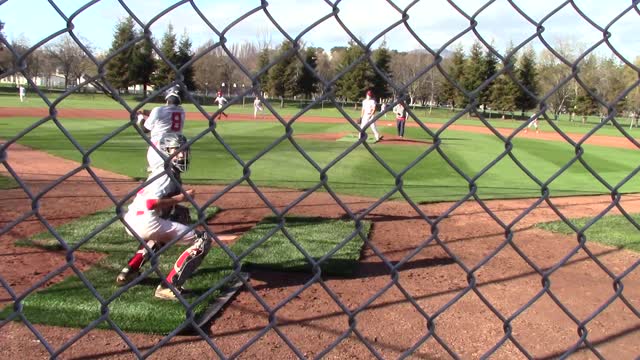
x=368, y=109
x=221, y=100
x=162, y=120
x=367, y=113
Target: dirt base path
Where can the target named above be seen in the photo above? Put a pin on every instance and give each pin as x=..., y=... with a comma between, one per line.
x=386, y=306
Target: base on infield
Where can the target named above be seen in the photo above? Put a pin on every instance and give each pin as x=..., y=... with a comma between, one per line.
x=222, y=300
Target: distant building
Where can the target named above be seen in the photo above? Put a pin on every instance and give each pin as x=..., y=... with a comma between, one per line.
x=55, y=80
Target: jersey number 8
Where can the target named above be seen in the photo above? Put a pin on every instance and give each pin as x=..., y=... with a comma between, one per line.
x=176, y=121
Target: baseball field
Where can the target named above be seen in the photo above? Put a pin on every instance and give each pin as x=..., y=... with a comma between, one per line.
x=454, y=249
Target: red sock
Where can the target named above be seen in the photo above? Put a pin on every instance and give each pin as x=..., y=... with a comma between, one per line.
x=136, y=261
x=139, y=258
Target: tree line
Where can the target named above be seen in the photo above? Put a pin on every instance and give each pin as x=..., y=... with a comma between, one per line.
x=508, y=83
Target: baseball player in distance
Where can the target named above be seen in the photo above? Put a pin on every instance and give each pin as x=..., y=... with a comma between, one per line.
x=221, y=100
x=367, y=113
x=151, y=215
x=401, y=117
x=162, y=120
x=533, y=122
x=257, y=107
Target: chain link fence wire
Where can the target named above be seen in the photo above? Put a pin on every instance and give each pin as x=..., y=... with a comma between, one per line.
x=402, y=14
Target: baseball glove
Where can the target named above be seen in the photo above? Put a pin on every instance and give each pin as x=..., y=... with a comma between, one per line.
x=140, y=118
x=180, y=214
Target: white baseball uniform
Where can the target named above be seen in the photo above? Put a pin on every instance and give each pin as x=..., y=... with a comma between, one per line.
x=162, y=120
x=257, y=106
x=148, y=223
x=221, y=100
x=368, y=111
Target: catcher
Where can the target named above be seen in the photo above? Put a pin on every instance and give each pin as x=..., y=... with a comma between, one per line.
x=157, y=218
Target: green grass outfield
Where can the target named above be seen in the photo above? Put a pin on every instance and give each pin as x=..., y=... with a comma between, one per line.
x=436, y=115
x=136, y=309
x=425, y=176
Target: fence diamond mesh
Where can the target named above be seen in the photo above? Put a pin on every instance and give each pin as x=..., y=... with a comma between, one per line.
x=426, y=287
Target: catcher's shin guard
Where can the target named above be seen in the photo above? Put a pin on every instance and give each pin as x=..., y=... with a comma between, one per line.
x=189, y=260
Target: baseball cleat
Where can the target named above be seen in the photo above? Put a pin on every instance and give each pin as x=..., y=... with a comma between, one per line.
x=126, y=275
x=165, y=293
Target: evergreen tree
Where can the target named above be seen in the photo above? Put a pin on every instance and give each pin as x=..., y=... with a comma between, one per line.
x=280, y=74
x=585, y=104
x=1, y=34
x=382, y=60
x=263, y=62
x=474, y=71
x=455, y=70
x=119, y=67
x=292, y=75
x=353, y=84
x=183, y=56
x=527, y=77
x=505, y=91
x=307, y=81
x=165, y=74
x=490, y=64
x=142, y=65
x=503, y=95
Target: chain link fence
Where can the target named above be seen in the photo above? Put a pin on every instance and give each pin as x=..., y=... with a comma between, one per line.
x=622, y=280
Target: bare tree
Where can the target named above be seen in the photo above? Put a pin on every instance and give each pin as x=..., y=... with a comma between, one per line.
x=216, y=68
x=69, y=58
x=324, y=69
x=409, y=67
x=633, y=99
x=554, y=72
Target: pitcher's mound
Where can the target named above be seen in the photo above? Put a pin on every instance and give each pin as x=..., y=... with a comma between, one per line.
x=353, y=137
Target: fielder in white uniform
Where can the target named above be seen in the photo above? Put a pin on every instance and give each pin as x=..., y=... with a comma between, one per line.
x=533, y=122
x=221, y=100
x=163, y=119
x=257, y=106
x=22, y=92
x=367, y=113
x=148, y=216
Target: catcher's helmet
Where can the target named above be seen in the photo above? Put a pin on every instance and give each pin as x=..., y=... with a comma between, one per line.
x=170, y=142
x=173, y=95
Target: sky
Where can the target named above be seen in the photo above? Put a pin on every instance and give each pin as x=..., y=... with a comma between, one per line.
x=435, y=22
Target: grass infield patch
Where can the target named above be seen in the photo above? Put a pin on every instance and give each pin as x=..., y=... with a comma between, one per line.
x=612, y=230
x=71, y=303
x=8, y=183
